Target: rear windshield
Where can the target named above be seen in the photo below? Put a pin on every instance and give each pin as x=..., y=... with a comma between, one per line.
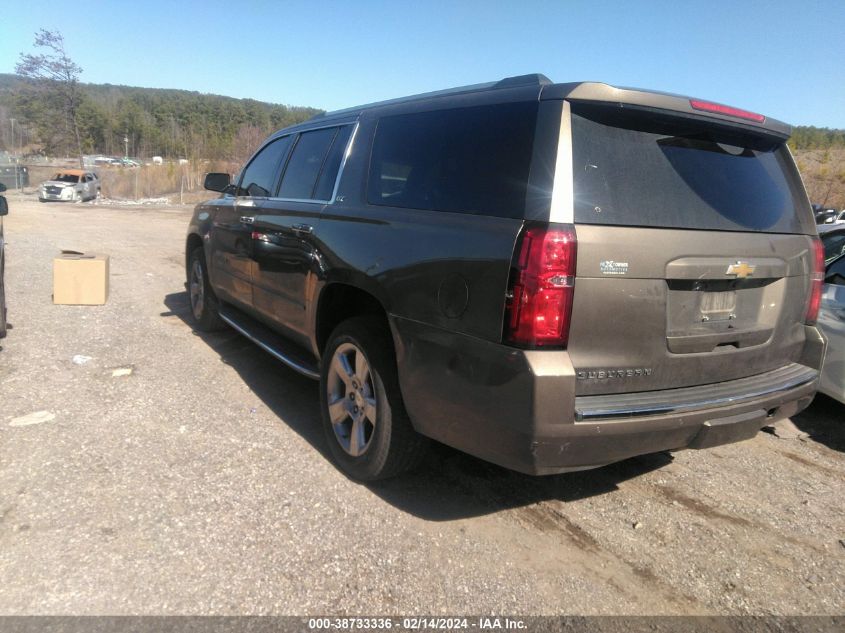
x=677, y=173
x=467, y=160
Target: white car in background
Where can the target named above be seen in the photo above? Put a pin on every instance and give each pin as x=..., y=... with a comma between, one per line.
x=832, y=324
x=70, y=185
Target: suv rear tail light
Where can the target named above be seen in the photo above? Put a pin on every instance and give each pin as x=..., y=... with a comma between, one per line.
x=816, y=281
x=718, y=108
x=542, y=287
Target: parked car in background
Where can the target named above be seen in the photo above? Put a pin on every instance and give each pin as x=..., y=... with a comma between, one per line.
x=14, y=176
x=4, y=209
x=833, y=240
x=110, y=161
x=826, y=216
x=832, y=324
x=70, y=185
x=551, y=277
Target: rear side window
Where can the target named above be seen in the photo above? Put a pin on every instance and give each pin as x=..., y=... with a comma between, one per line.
x=305, y=164
x=325, y=185
x=260, y=175
x=467, y=160
x=678, y=174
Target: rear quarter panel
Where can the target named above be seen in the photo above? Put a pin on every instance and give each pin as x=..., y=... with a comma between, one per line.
x=446, y=270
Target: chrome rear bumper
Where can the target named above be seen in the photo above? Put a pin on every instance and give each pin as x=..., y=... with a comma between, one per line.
x=594, y=408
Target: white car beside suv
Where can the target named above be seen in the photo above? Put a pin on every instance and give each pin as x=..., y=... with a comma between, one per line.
x=832, y=313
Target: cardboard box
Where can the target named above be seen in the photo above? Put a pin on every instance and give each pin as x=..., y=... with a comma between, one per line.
x=80, y=278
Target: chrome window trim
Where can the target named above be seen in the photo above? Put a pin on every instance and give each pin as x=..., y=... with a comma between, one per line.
x=314, y=200
x=562, y=208
x=314, y=129
x=346, y=153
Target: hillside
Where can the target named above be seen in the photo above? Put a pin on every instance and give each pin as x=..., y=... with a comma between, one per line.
x=185, y=124
x=823, y=172
x=171, y=123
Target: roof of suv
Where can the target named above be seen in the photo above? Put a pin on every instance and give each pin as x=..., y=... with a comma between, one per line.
x=509, y=82
x=588, y=91
x=73, y=172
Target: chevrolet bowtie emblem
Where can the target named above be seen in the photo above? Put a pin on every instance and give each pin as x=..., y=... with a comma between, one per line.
x=741, y=269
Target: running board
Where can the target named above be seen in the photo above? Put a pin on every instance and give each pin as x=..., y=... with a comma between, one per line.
x=269, y=341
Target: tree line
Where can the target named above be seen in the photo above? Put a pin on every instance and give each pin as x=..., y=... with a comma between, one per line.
x=63, y=117
x=184, y=124
x=809, y=137
x=150, y=121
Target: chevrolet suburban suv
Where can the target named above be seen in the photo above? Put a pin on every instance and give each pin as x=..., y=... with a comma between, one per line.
x=551, y=277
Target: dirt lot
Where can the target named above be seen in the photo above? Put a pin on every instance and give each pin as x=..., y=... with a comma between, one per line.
x=200, y=482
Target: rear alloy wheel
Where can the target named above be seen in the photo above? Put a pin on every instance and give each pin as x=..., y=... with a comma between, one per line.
x=353, y=410
x=364, y=419
x=204, y=305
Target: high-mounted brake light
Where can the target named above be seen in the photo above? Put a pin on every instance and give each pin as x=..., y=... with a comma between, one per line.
x=542, y=287
x=718, y=108
x=814, y=301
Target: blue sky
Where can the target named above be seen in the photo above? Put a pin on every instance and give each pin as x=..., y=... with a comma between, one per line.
x=785, y=59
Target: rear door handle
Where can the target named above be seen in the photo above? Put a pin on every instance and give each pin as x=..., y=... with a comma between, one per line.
x=247, y=219
x=302, y=229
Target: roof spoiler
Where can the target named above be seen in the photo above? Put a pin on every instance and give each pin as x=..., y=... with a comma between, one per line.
x=535, y=79
x=596, y=92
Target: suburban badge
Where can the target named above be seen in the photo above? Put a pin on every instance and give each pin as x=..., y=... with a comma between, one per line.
x=610, y=267
x=625, y=372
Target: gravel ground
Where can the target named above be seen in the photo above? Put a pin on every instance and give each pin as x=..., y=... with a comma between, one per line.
x=200, y=482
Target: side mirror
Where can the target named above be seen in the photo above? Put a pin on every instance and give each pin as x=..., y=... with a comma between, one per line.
x=217, y=182
x=4, y=206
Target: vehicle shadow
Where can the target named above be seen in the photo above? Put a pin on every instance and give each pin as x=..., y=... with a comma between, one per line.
x=289, y=395
x=824, y=421
x=449, y=485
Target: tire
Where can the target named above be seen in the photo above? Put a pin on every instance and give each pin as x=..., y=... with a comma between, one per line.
x=203, y=301
x=381, y=443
